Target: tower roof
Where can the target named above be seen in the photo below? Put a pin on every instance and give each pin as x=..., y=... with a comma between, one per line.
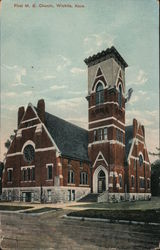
x=106, y=54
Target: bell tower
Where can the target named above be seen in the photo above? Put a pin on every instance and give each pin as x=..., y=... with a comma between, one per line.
x=106, y=121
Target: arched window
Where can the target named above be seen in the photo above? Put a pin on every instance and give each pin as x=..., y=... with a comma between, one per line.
x=140, y=160
x=99, y=94
x=83, y=178
x=70, y=176
x=120, y=96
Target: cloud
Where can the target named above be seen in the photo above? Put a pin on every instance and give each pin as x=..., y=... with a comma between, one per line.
x=153, y=113
x=9, y=107
x=77, y=71
x=141, y=79
x=143, y=117
x=48, y=77
x=138, y=96
x=81, y=121
x=27, y=93
x=75, y=92
x=10, y=94
x=9, y=67
x=134, y=99
x=152, y=141
x=19, y=73
x=62, y=63
x=141, y=92
x=68, y=103
x=58, y=87
x=98, y=41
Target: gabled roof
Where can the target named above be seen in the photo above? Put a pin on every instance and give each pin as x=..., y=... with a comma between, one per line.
x=71, y=140
x=128, y=139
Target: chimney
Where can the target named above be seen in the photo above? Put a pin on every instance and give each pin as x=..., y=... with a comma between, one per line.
x=143, y=131
x=135, y=124
x=41, y=110
x=21, y=111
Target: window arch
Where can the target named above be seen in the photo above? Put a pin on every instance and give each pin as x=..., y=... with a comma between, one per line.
x=120, y=96
x=99, y=93
x=70, y=176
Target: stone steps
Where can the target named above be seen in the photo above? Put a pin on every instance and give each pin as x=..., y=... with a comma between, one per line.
x=89, y=198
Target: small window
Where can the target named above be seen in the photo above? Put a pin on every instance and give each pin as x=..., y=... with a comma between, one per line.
x=140, y=160
x=117, y=134
x=83, y=178
x=73, y=195
x=49, y=194
x=28, y=174
x=120, y=96
x=120, y=181
x=49, y=167
x=69, y=195
x=32, y=196
x=95, y=135
x=33, y=174
x=23, y=196
x=24, y=174
x=100, y=134
x=70, y=176
x=132, y=181
x=99, y=94
x=10, y=175
x=114, y=181
x=121, y=136
x=105, y=133
x=134, y=166
x=141, y=182
x=9, y=195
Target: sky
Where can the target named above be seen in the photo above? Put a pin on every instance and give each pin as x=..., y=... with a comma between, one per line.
x=43, y=51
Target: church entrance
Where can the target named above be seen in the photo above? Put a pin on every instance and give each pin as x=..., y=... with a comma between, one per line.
x=101, y=182
x=100, y=179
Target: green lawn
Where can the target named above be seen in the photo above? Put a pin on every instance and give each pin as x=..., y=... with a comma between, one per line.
x=13, y=208
x=154, y=203
x=129, y=215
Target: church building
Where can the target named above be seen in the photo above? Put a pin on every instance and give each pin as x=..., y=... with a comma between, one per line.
x=52, y=160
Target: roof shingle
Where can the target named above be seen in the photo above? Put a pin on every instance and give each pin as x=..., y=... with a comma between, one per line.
x=71, y=140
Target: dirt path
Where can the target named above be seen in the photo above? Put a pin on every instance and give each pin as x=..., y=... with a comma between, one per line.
x=51, y=231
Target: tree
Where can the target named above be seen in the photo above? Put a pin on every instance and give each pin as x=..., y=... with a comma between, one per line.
x=8, y=142
x=156, y=154
x=155, y=174
x=155, y=178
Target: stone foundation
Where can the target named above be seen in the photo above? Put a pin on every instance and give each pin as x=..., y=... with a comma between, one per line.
x=44, y=194
x=118, y=197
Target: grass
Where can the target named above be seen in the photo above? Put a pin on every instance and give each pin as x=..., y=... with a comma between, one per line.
x=130, y=215
x=154, y=203
x=41, y=210
x=13, y=208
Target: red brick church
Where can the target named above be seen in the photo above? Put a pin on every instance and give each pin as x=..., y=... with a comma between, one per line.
x=52, y=160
